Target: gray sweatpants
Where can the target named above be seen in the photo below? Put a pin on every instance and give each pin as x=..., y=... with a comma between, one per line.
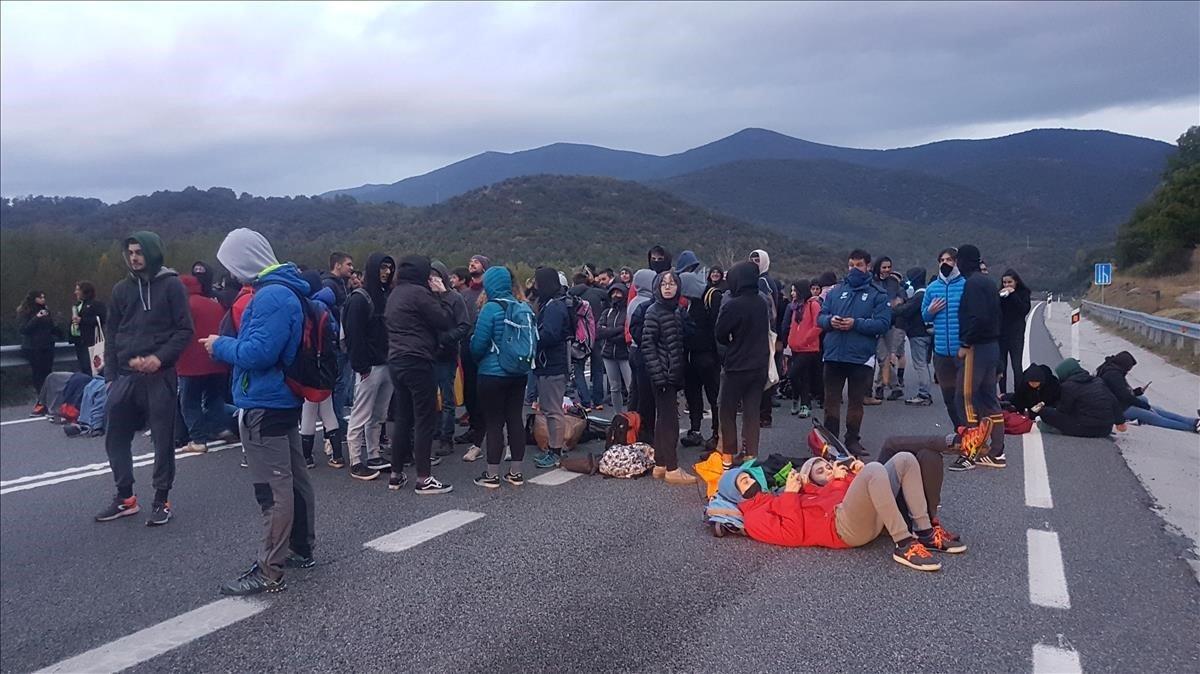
x=551, y=389
x=283, y=491
x=369, y=413
x=870, y=503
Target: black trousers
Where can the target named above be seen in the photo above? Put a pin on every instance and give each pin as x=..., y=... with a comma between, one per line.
x=946, y=369
x=929, y=450
x=856, y=380
x=976, y=393
x=81, y=357
x=631, y=402
x=1069, y=425
x=666, y=430
x=415, y=411
x=135, y=400
x=804, y=369
x=501, y=401
x=644, y=399
x=744, y=390
x=41, y=364
x=471, y=393
x=1012, y=347
x=702, y=379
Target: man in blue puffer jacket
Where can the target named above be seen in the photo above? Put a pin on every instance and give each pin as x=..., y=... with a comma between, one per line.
x=855, y=313
x=267, y=342
x=940, y=307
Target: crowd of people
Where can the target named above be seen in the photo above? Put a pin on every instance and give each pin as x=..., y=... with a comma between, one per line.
x=375, y=355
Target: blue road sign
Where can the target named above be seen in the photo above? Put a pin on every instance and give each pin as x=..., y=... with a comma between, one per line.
x=1103, y=276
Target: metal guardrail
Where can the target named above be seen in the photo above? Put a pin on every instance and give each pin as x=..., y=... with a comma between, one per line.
x=10, y=356
x=1167, y=331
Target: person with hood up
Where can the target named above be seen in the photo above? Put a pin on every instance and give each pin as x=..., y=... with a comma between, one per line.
x=803, y=337
x=420, y=320
x=641, y=396
x=204, y=275
x=661, y=347
x=613, y=349
x=979, y=349
x=742, y=330
x=554, y=330
x=703, y=377
x=1015, y=304
x=774, y=294
x=202, y=381
x=149, y=327
x=908, y=318
x=940, y=308
x=325, y=410
x=445, y=367
x=658, y=259
x=1037, y=385
x=887, y=384
x=1113, y=373
x=1086, y=407
x=854, y=315
x=363, y=322
x=473, y=436
x=267, y=342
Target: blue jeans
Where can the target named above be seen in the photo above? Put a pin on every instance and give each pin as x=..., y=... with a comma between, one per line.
x=581, y=383
x=919, y=347
x=343, y=390
x=1157, y=416
x=202, y=402
x=531, y=388
x=444, y=377
x=599, y=378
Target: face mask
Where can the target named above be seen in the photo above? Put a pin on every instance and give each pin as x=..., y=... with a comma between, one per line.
x=946, y=269
x=752, y=491
x=857, y=276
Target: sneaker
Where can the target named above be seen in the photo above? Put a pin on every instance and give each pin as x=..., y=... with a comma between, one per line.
x=547, y=460
x=939, y=540
x=488, y=480
x=474, y=453
x=243, y=462
x=73, y=430
x=871, y=400
x=397, y=481
x=915, y=555
x=336, y=462
x=464, y=438
x=878, y=392
x=804, y=412
x=992, y=461
x=795, y=407
x=430, y=485
x=679, y=476
x=946, y=533
x=919, y=400
x=961, y=464
x=379, y=464
x=976, y=440
x=39, y=410
x=160, y=515
x=692, y=439
x=298, y=561
x=310, y=462
x=445, y=448
x=252, y=582
x=435, y=460
x=896, y=394
x=515, y=479
x=361, y=472
x=118, y=508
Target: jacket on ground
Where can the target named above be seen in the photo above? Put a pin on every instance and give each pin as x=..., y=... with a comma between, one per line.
x=858, y=298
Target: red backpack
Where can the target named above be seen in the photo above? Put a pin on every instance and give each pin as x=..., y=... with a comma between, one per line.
x=313, y=372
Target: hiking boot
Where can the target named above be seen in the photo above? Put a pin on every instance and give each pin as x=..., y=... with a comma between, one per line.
x=872, y=400
x=361, y=472
x=160, y=514
x=658, y=473
x=39, y=410
x=379, y=464
x=297, y=561
x=938, y=540
x=919, y=400
x=547, y=460
x=857, y=449
x=795, y=407
x=804, y=412
x=488, y=480
x=992, y=461
x=120, y=507
x=679, y=476
x=961, y=464
x=397, y=481
x=445, y=448
x=515, y=479
x=474, y=453
x=430, y=485
x=195, y=448
x=252, y=582
x=692, y=439
x=913, y=554
x=336, y=462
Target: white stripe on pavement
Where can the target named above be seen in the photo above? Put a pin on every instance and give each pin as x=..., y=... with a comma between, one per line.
x=416, y=534
x=554, y=477
x=158, y=639
x=1055, y=660
x=1047, y=579
x=23, y=421
x=1028, y=330
x=22, y=484
x=1037, y=479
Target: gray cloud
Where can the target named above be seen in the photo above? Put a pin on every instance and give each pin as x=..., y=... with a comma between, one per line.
x=113, y=100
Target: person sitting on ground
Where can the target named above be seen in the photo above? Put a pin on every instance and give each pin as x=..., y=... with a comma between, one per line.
x=928, y=450
x=1085, y=409
x=1038, y=385
x=1113, y=373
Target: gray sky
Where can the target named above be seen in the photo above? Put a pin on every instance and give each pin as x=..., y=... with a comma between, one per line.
x=112, y=100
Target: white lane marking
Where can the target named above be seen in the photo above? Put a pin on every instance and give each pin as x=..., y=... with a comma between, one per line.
x=158, y=639
x=1047, y=579
x=1037, y=479
x=554, y=477
x=416, y=534
x=146, y=460
x=1055, y=660
x=1025, y=358
x=23, y=421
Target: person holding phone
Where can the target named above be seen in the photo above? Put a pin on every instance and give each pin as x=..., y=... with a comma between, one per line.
x=1113, y=373
x=38, y=335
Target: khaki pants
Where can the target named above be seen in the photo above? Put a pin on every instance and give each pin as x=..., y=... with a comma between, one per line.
x=870, y=503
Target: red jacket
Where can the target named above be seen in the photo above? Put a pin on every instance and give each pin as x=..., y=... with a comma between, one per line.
x=804, y=519
x=206, y=317
x=804, y=335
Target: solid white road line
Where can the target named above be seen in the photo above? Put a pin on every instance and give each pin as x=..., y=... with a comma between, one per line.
x=554, y=477
x=158, y=639
x=25, y=483
x=1028, y=329
x=1037, y=479
x=416, y=534
x=1055, y=660
x=1047, y=579
x=23, y=421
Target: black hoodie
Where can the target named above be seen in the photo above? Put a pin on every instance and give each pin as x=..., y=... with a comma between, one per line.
x=1025, y=397
x=1015, y=307
x=663, y=334
x=663, y=264
x=416, y=318
x=907, y=316
x=610, y=328
x=205, y=277
x=743, y=322
x=363, y=318
x=702, y=314
x=979, y=308
x=1113, y=372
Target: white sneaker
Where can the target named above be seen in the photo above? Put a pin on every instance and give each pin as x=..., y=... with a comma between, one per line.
x=475, y=453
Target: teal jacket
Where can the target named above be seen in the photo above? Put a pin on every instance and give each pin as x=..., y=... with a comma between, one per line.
x=489, y=325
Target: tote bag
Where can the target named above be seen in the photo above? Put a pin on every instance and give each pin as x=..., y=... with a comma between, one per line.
x=772, y=371
x=96, y=351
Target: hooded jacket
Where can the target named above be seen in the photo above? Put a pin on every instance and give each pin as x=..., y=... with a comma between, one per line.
x=271, y=325
x=363, y=317
x=205, y=277
x=461, y=317
x=1086, y=398
x=1113, y=372
x=610, y=328
x=702, y=313
x=1015, y=307
x=643, y=282
x=858, y=298
x=692, y=278
x=417, y=320
x=769, y=286
x=945, y=322
x=596, y=298
x=657, y=267
x=553, y=324
x=979, y=309
x=206, y=320
x=148, y=313
x=743, y=324
x=807, y=518
x=663, y=335
x=907, y=316
x=1024, y=397
x=489, y=325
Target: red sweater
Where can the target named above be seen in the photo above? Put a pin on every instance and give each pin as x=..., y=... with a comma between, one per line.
x=804, y=335
x=206, y=319
x=804, y=519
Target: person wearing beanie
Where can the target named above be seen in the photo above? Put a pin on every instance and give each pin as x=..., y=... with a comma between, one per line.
x=979, y=349
x=661, y=347
x=1113, y=373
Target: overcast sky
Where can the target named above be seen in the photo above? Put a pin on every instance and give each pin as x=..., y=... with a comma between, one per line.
x=112, y=100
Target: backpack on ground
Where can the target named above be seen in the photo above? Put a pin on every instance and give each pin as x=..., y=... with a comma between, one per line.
x=623, y=429
x=313, y=372
x=627, y=461
x=91, y=410
x=517, y=346
x=583, y=328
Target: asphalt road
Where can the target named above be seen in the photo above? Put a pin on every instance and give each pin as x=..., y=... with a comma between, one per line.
x=592, y=574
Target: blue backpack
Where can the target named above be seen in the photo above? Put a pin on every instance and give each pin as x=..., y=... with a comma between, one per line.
x=91, y=409
x=517, y=345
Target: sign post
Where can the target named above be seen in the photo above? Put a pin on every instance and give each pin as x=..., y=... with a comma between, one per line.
x=1075, y=318
x=1102, y=277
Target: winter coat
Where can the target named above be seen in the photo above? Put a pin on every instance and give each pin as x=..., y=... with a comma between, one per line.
x=1015, y=307
x=148, y=313
x=907, y=316
x=610, y=328
x=1086, y=398
x=945, y=322
x=596, y=298
x=702, y=315
x=1049, y=390
x=979, y=308
x=39, y=332
x=803, y=335
x=804, y=519
x=363, y=318
x=661, y=345
x=858, y=298
x=206, y=315
x=553, y=325
x=489, y=325
x=1113, y=372
x=743, y=322
x=643, y=284
x=88, y=311
x=417, y=320
x=338, y=287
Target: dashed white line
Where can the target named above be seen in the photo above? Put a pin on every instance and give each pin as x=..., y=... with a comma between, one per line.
x=416, y=534
x=1047, y=578
x=23, y=421
x=158, y=639
x=554, y=477
x=1037, y=479
x=1055, y=660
